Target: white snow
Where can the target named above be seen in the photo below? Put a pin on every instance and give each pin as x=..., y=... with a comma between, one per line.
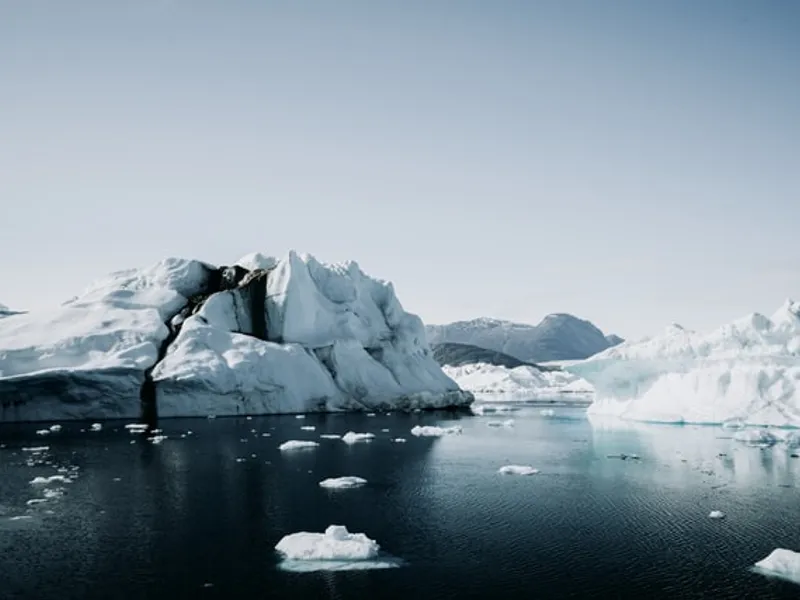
x=517, y=470
x=434, y=431
x=342, y=482
x=492, y=382
x=746, y=372
x=716, y=514
x=352, y=437
x=338, y=340
x=335, y=550
x=297, y=445
x=781, y=563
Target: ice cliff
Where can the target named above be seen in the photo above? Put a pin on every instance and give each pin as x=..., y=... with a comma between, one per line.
x=747, y=371
x=184, y=338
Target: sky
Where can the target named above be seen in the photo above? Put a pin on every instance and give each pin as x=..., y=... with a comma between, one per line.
x=632, y=163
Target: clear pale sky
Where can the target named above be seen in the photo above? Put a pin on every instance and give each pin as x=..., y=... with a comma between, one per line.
x=632, y=162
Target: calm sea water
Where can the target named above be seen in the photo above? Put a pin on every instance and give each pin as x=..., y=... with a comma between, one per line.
x=199, y=516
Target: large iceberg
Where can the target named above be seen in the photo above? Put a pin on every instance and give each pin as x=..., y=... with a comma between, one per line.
x=498, y=383
x=747, y=372
x=263, y=336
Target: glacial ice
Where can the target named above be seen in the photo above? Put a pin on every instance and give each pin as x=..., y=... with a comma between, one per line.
x=780, y=563
x=434, y=431
x=517, y=470
x=746, y=372
x=341, y=483
x=297, y=445
x=351, y=437
x=496, y=383
x=336, y=339
x=335, y=550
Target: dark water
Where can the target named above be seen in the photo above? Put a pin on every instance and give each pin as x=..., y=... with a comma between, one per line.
x=186, y=513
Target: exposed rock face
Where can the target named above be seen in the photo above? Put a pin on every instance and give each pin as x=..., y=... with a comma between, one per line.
x=187, y=338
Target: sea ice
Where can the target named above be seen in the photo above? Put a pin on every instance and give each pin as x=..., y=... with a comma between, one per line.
x=49, y=480
x=399, y=440
x=342, y=482
x=297, y=445
x=330, y=436
x=716, y=514
x=308, y=428
x=517, y=470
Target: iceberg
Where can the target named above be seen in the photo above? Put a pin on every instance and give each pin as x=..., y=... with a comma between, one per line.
x=517, y=470
x=351, y=437
x=187, y=338
x=499, y=383
x=341, y=483
x=781, y=563
x=744, y=373
x=434, y=431
x=297, y=445
x=335, y=550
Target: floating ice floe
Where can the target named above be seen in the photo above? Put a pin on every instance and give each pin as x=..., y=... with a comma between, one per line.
x=506, y=423
x=96, y=427
x=49, y=480
x=36, y=449
x=157, y=439
x=330, y=436
x=716, y=514
x=434, y=431
x=55, y=428
x=308, y=428
x=342, y=482
x=352, y=438
x=299, y=416
x=297, y=445
x=42, y=432
x=399, y=440
x=335, y=550
x=517, y=470
x=781, y=563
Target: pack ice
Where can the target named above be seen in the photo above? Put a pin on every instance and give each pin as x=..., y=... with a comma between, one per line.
x=261, y=336
x=746, y=372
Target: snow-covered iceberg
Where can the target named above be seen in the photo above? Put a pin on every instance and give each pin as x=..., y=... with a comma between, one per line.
x=263, y=336
x=497, y=383
x=781, y=563
x=747, y=371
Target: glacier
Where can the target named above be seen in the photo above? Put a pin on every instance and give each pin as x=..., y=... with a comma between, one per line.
x=746, y=372
x=265, y=335
x=498, y=383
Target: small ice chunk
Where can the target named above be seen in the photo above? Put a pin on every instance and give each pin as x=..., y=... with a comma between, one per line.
x=330, y=436
x=756, y=437
x=157, y=439
x=399, y=440
x=53, y=493
x=21, y=518
x=36, y=449
x=299, y=416
x=385, y=430
x=42, y=432
x=335, y=544
x=370, y=414
x=352, y=437
x=547, y=412
x=212, y=416
x=433, y=431
x=781, y=563
x=517, y=470
x=340, y=483
x=33, y=501
x=55, y=428
x=49, y=480
x=96, y=427
x=308, y=428
x=506, y=423
x=716, y=514
x=297, y=445
x=135, y=426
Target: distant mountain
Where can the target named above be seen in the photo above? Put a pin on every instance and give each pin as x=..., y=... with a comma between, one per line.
x=456, y=355
x=559, y=336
